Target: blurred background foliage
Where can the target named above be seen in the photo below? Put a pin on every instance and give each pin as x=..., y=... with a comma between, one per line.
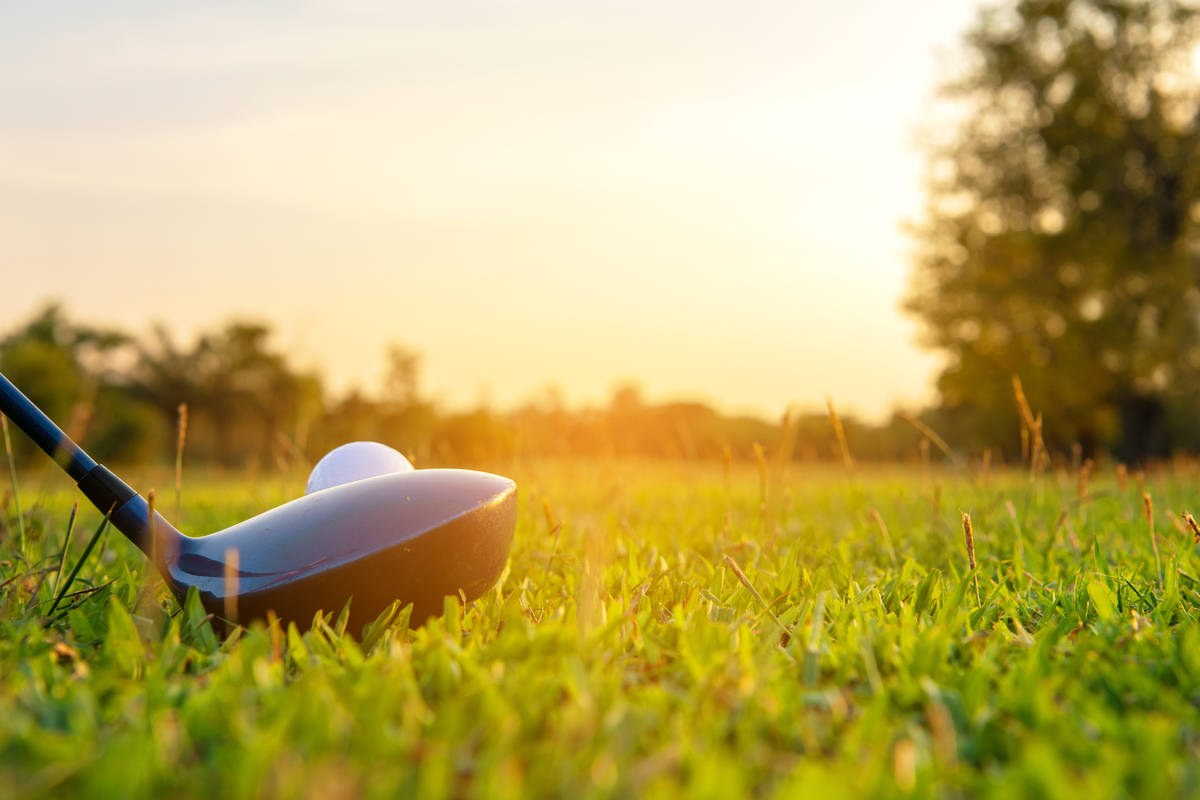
x=1059, y=242
x=249, y=407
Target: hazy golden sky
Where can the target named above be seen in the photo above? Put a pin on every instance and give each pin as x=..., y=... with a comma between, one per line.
x=702, y=196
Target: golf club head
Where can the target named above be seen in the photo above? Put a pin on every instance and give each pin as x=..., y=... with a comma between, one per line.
x=416, y=537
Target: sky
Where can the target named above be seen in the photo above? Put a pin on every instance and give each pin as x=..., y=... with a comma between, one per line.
x=706, y=198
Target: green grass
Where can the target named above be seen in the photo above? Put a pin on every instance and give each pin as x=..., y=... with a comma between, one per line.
x=624, y=655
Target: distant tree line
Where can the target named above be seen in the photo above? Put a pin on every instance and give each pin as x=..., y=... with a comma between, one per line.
x=119, y=395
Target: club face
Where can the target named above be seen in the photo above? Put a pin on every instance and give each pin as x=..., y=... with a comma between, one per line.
x=415, y=537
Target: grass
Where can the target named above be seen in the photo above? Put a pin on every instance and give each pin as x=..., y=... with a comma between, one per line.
x=662, y=629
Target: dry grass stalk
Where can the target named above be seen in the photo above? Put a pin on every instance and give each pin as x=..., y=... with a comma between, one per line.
x=1192, y=526
x=231, y=584
x=741, y=576
x=180, y=440
x=1022, y=404
x=760, y=458
x=276, y=631
x=969, y=537
x=83, y=410
x=1032, y=425
x=1085, y=473
x=1040, y=457
x=1148, y=513
x=929, y=433
x=151, y=496
x=840, y=433
x=1122, y=478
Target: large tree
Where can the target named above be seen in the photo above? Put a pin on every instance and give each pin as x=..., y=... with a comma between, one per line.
x=1059, y=240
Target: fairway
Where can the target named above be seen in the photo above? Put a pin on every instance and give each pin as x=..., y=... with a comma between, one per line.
x=662, y=628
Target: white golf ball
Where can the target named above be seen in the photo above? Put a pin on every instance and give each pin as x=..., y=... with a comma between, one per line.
x=353, y=462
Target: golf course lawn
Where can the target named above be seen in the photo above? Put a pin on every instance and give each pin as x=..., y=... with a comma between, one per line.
x=662, y=629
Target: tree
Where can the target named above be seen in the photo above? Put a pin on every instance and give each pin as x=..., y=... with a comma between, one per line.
x=72, y=372
x=401, y=376
x=245, y=401
x=1059, y=240
x=405, y=418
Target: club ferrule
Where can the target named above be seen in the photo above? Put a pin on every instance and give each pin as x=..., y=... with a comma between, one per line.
x=106, y=491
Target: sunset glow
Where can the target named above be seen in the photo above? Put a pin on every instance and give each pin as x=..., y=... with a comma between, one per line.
x=705, y=198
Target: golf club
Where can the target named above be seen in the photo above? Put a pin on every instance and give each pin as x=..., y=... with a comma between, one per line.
x=416, y=537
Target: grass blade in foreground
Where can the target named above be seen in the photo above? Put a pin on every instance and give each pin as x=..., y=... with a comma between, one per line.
x=12, y=474
x=87, y=550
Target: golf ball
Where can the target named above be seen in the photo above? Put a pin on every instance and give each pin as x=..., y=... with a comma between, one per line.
x=353, y=462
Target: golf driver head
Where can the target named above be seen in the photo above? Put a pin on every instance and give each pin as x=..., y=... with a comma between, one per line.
x=416, y=537
x=413, y=537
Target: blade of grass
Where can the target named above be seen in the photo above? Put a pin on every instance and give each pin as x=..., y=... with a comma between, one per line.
x=78, y=598
x=883, y=530
x=62, y=556
x=556, y=532
x=62, y=590
x=99, y=559
x=812, y=653
x=12, y=474
x=741, y=576
x=930, y=435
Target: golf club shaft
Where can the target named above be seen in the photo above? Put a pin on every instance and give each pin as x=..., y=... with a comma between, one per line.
x=106, y=491
x=42, y=430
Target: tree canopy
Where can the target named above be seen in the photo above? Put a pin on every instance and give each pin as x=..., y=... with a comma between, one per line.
x=1059, y=240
